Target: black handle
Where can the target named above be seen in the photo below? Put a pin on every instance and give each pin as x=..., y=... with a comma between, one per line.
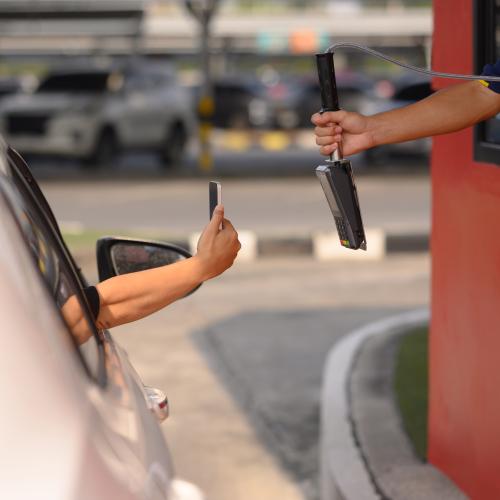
x=327, y=83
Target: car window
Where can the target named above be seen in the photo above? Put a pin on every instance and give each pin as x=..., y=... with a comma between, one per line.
x=61, y=280
x=85, y=82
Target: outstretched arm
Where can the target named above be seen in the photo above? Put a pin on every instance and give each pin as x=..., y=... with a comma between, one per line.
x=133, y=296
x=448, y=110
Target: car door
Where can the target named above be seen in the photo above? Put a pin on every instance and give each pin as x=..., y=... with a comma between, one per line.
x=128, y=435
x=137, y=125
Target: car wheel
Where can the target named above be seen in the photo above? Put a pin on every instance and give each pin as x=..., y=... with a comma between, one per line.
x=174, y=146
x=105, y=152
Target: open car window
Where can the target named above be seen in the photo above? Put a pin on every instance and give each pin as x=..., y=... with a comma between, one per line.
x=20, y=170
x=59, y=274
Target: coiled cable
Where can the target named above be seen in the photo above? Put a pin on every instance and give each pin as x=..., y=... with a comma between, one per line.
x=362, y=48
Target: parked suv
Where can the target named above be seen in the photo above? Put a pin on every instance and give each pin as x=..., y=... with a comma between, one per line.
x=95, y=113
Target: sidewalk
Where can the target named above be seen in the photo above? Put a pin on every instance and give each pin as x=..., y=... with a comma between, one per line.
x=366, y=454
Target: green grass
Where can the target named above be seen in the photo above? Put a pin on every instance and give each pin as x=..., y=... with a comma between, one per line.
x=78, y=241
x=411, y=387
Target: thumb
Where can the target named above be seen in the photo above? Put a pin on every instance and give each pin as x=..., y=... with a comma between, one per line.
x=217, y=218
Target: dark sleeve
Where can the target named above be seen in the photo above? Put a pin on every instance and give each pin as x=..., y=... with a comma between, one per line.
x=492, y=70
x=93, y=299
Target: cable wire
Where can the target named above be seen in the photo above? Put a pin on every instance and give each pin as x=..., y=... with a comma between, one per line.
x=350, y=45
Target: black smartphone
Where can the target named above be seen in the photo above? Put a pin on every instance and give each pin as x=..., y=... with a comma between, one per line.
x=214, y=196
x=340, y=190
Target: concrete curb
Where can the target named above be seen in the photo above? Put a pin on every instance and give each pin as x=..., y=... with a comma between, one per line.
x=343, y=472
x=322, y=245
x=365, y=455
x=397, y=472
x=325, y=246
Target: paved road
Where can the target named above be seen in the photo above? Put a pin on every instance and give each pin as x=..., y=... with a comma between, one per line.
x=395, y=201
x=241, y=361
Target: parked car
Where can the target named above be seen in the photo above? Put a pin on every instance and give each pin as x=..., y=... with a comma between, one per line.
x=95, y=113
x=304, y=98
x=10, y=85
x=237, y=101
x=76, y=423
x=281, y=103
x=402, y=92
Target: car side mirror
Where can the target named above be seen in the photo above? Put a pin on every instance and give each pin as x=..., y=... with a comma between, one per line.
x=117, y=256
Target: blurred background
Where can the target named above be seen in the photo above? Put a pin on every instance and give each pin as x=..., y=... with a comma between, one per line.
x=92, y=81
x=124, y=109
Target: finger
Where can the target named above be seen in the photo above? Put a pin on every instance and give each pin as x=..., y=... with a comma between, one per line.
x=328, y=117
x=328, y=150
x=316, y=119
x=324, y=131
x=325, y=141
x=216, y=220
x=228, y=226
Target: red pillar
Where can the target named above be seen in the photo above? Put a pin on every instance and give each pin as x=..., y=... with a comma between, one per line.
x=464, y=414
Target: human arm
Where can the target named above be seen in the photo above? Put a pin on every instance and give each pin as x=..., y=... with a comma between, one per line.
x=447, y=110
x=129, y=297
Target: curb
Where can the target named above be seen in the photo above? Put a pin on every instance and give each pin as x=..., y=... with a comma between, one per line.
x=322, y=245
x=343, y=472
x=365, y=454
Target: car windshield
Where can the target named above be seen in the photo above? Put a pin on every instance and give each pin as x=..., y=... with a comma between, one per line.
x=93, y=82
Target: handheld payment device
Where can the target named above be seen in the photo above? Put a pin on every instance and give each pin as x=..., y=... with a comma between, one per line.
x=336, y=176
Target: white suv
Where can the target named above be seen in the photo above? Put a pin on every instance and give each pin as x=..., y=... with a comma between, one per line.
x=93, y=114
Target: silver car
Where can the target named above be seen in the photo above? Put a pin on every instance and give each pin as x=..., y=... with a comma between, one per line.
x=94, y=114
x=76, y=421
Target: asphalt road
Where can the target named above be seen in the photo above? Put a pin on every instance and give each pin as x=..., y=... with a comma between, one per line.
x=241, y=361
x=395, y=199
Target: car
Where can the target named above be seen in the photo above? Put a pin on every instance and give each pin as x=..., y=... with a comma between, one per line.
x=278, y=102
x=94, y=113
x=10, y=86
x=304, y=96
x=76, y=423
x=237, y=101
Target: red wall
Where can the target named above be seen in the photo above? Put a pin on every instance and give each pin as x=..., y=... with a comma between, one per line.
x=464, y=417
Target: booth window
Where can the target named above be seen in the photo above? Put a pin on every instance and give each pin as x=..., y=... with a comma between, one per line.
x=487, y=50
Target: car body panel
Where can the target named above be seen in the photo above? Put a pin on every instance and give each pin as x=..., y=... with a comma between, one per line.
x=64, y=435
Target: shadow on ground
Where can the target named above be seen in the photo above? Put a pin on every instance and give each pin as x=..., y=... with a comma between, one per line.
x=271, y=363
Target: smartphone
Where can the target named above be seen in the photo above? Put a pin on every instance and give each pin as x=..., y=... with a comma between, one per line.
x=214, y=196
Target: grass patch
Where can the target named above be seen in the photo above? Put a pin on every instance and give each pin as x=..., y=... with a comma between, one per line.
x=85, y=240
x=411, y=386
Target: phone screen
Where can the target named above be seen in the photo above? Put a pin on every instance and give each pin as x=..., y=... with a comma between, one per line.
x=214, y=195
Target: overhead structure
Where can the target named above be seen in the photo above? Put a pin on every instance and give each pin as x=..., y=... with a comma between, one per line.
x=85, y=26
x=70, y=25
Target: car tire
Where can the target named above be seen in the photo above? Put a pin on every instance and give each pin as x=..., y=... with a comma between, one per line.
x=174, y=146
x=105, y=152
